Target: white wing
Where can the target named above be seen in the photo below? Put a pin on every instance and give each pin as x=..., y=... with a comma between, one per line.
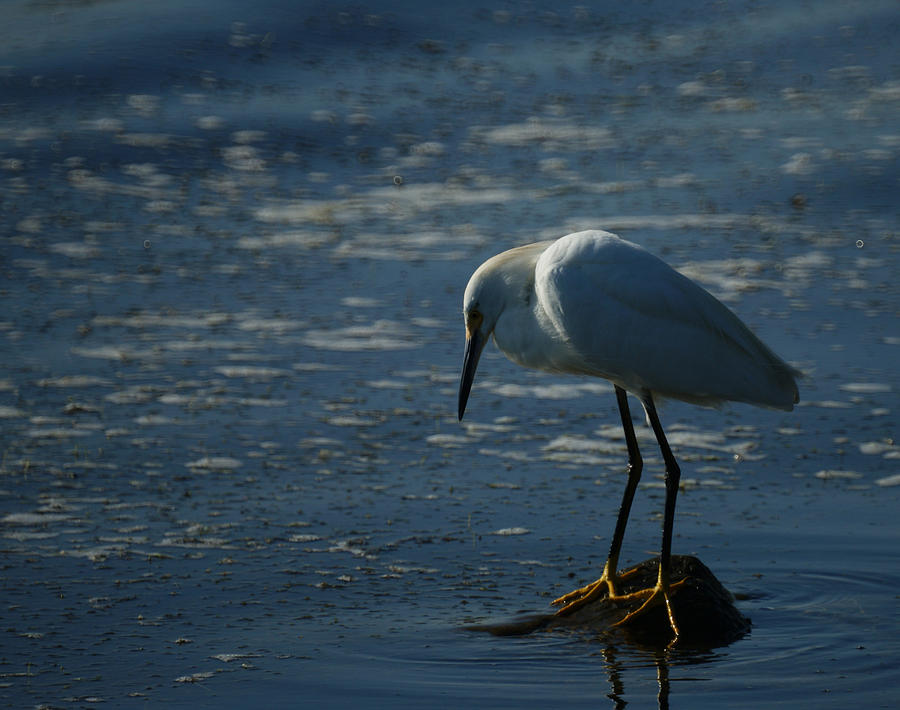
x=629, y=317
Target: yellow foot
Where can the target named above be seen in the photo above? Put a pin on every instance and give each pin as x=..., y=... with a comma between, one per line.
x=660, y=594
x=577, y=598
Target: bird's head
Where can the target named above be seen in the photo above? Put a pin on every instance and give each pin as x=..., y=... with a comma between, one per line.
x=482, y=306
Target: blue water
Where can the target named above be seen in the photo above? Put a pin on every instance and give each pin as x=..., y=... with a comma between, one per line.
x=233, y=248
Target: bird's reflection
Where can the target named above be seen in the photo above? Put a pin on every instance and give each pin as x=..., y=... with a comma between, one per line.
x=614, y=669
x=614, y=676
x=621, y=653
x=662, y=679
x=661, y=658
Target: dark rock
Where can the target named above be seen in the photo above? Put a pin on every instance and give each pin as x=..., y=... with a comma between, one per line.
x=704, y=611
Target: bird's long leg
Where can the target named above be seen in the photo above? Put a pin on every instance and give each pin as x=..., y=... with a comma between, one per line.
x=660, y=593
x=607, y=582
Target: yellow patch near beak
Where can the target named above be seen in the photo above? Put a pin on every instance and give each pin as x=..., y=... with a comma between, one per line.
x=474, y=320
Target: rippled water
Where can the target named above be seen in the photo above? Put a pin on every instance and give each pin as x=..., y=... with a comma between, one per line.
x=234, y=246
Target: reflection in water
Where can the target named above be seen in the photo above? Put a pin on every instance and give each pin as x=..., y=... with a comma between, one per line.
x=662, y=678
x=620, y=672
x=617, y=686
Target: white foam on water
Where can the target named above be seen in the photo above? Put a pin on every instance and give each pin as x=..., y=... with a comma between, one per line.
x=222, y=463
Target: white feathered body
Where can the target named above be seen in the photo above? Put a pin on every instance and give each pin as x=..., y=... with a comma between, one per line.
x=594, y=304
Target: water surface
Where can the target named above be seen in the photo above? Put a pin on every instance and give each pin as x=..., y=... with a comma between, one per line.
x=234, y=245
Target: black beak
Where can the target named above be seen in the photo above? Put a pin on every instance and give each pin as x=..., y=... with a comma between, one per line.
x=474, y=345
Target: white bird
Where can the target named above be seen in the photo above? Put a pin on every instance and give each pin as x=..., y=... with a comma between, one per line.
x=591, y=303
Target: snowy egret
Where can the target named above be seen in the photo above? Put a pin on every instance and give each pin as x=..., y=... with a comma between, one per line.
x=591, y=303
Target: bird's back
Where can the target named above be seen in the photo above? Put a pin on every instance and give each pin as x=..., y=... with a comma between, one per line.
x=627, y=316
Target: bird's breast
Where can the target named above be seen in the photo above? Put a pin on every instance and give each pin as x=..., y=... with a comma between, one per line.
x=530, y=340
